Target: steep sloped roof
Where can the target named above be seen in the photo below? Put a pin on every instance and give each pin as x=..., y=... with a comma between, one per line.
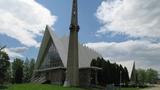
x=133, y=73
x=85, y=54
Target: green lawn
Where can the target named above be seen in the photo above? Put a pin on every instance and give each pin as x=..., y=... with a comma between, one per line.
x=129, y=89
x=48, y=87
x=39, y=87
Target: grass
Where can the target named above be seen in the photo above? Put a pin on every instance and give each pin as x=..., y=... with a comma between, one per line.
x=39, y=87
x=3, y=87
x=129, y=89
x=48, y=87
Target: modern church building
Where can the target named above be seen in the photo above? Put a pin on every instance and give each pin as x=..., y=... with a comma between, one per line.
x=64, y=60
x=52, y=61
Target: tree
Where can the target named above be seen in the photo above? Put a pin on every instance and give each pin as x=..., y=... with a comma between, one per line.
x=17, y=67
x=126, y=76
x=141, y=76
x=151, y=76
x=31, y=70
x=94, y=62
x=4, y=66
x=110, y=73
x=28, y=69
x=147, y=76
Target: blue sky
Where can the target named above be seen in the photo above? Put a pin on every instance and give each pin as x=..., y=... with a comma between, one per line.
x=62, y=9
x=87, y=21
x=122, y=31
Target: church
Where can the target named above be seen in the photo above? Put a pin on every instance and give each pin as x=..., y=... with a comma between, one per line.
x=63, y=60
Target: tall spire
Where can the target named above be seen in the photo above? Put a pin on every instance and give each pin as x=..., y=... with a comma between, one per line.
x=72, y=71
x=74, y=16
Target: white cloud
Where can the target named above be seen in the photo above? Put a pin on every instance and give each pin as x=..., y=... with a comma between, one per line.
x=128, y=64
x=24, y=20
x=16, y=52
x=135, y=18
x=144, y=53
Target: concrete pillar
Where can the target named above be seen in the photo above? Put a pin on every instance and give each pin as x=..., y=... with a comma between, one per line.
x=72, y=72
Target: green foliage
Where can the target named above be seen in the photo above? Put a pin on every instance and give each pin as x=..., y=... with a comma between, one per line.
x=31, y=69
x=125, y=76
x=17, y=67
x=147, y=76
x=4, y=66
x=130, y=89
x=39, y=87
x=141, y=76
x=152, y=76
x=22, y=70
x=110, y=73
x=28, y=69
x=32, y=86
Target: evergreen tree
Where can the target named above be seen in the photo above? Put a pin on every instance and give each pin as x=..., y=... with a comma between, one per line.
x=31, y=69
x=26, y=71
x=110, y=73
x=94, y=62
x=126, y=76
x=17, y=68
x=4, y=67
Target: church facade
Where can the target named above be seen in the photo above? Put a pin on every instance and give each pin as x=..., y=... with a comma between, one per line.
x=51, y=62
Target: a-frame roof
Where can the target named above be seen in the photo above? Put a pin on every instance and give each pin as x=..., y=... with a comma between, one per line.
x=85, y=54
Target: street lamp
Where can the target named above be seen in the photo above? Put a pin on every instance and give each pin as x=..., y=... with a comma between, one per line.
x=120, y=79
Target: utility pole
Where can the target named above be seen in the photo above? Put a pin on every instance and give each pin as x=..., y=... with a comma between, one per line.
x=120, y=79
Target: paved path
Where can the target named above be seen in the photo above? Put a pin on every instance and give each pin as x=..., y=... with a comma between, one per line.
x=157, y=87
